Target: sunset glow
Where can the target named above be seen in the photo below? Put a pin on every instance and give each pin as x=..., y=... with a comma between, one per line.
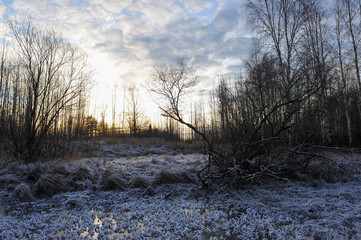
x=126, y=39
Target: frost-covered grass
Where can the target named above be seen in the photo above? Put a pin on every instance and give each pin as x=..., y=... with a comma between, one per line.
x=281, y=211
x=156, y=196
x=45, y=179
x=131, y=146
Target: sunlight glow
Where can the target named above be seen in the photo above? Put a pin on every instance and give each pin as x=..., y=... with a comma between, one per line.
x=125, y=40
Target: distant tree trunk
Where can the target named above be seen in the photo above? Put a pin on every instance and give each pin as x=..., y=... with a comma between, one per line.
x=4, y=92
x=136, y=119
x=351, y=14
x=339, y=30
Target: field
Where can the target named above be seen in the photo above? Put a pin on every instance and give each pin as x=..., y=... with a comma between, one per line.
x=151, y=192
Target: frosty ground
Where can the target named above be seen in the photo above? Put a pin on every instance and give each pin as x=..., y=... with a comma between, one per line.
x=129, y=191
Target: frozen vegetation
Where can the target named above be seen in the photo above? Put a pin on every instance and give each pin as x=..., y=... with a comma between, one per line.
x=135, y=193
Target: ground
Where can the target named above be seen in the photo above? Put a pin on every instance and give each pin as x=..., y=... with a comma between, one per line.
x=156, y=195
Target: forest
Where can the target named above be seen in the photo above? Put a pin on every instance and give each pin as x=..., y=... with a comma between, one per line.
x=290, y=119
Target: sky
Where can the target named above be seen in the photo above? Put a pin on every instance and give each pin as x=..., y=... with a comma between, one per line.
x=125, y=39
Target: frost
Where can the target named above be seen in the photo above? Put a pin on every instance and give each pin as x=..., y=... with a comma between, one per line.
x=174, y=208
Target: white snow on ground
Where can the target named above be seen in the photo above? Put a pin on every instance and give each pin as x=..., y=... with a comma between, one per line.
x=300, y=210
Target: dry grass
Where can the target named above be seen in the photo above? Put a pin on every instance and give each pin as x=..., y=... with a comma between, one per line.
x=189, y=146
x=75, y=203
x=186, y=178
x=164, y=177
x=33, y=172
x=112, y=181
x=50, y=184
x=143, y=141
x=83, y=174
x=92, y=148
x=167, y=177
x=9, y=181
x=82, y=185
x=138, y=182
x=59, y=169
x=327, y=171
x=23, y=193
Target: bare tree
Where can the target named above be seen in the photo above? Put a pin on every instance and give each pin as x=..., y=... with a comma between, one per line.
x=114, y=98
x=316, y=53
x=55, y=72
x=279, y=23
x=340, y=31
x=4, y=89
x=170, y=84
x=103, y=125
x=136, y=119
x=351, y=14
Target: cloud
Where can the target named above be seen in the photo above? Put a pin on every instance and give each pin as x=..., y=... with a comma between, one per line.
x=157, y=13
x=114, y=7
x=227, y=19
x=2, y=9
x=135, y=35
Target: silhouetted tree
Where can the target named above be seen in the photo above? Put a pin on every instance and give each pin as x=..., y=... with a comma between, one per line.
x=136, y=118
x=170, y=84
x=54, y=73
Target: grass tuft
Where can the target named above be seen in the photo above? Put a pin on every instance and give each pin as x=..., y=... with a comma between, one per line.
x=75, y=203
x=83, y=174
x=82, y=185
x=112, y=181
x=186, y=178
x=50, y=184
x=60, y=169
x=23, y=193
x=138, y=182
x=33, y=173
x=164, y=177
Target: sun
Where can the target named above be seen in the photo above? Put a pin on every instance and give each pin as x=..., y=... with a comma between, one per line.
x=110, y=90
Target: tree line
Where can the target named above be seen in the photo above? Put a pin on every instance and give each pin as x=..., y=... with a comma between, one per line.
x=43, y=86
x=301, y=78
x=299, y=92
x=45, y=82
x=299, y=87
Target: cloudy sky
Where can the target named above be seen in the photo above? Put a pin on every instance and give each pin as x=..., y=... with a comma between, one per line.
x=125, y=39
